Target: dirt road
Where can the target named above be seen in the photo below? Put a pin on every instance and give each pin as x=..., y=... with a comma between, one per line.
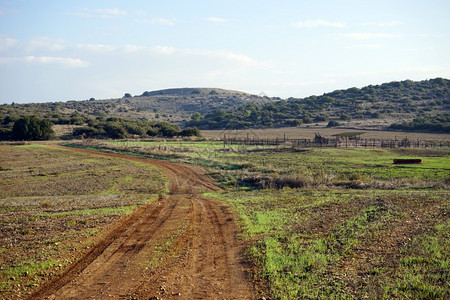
x=182, y=246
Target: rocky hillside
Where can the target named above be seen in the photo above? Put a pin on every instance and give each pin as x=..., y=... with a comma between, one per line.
x=371, y=107
x=405, y=105
x=172, y=105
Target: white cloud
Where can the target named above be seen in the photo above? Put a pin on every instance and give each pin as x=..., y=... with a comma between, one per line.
x=2, y=12
x=62, y=61
x=160, y=21
x=45, y=43
x=97, y=47
x=383, y=24
x=318, y=23
x=216, y=20
x=81, y=14
x=132, y=48
x=6, y=43
x=103, y=13
x=241, y=59
x=65, y=62
x=141, y=13
x=110, y=11
x=154, y=53
x=168, y=50
x=364, y=46
x=100, y=48
x=368, y=35
x=164, y=49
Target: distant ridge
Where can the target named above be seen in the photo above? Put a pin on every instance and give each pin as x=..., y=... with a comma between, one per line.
x=400, y=105
x=190, y=91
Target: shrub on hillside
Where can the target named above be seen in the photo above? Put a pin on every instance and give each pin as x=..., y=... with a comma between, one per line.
x=32, y=128
x=191, y=131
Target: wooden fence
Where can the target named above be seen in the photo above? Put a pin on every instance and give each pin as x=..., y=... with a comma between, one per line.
x=338, y=142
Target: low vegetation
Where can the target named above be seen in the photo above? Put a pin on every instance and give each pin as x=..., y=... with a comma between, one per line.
x=331, y=223
x=32, y=128
x=439, y=123
x=278, y=167
x=322, y=243
x=54, y=204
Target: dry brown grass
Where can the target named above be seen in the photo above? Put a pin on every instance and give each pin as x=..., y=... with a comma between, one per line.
x=308, y=133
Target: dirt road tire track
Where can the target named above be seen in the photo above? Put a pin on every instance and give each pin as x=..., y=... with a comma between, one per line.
x=183, y=246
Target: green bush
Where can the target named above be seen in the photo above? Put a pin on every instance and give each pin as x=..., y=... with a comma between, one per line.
x=191, y=131
x=32, y=128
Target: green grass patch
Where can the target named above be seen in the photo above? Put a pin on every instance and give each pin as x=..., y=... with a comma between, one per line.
x=121, y=210
x=316, y=166
x=26, y=268
x=300, y=238
x=424, y=270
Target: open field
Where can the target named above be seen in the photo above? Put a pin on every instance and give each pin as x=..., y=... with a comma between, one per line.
x=183, y=243
x=54, y=204
x=274, y=167
x=317, y=223
x=343, y=223
x=308, y=133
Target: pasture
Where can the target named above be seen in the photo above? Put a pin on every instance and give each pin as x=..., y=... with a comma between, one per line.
x=317, y=222
x=325, y=222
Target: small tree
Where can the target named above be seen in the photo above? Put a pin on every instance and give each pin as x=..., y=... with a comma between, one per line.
x=196, y=116
x=32, y=128
x=168, y=130
x=333, y=123
x=191, y=131
x=115, y=131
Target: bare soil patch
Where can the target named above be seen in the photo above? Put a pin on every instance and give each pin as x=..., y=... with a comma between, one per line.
x=55, y=204
x=184, y=244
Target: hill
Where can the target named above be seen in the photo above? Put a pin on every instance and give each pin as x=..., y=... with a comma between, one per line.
x=422, y=105
x=178, y=105
x=405, y=105
x=172, y=105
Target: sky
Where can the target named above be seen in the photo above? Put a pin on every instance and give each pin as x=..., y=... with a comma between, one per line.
x=76, y=50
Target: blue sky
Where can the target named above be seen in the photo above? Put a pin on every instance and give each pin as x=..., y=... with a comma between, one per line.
x=75, y=50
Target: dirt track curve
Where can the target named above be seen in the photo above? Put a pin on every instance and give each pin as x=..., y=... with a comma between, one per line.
x=183, y=246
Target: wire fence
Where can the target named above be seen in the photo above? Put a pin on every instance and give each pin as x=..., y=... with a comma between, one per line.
x=338, y=142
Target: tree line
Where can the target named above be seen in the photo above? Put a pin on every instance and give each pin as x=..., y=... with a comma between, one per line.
x=437, y=123
x=34, y=128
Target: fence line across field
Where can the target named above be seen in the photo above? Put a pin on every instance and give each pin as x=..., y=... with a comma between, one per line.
x=339, y=142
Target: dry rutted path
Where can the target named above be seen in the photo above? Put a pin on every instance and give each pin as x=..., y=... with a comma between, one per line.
x=182, y=246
